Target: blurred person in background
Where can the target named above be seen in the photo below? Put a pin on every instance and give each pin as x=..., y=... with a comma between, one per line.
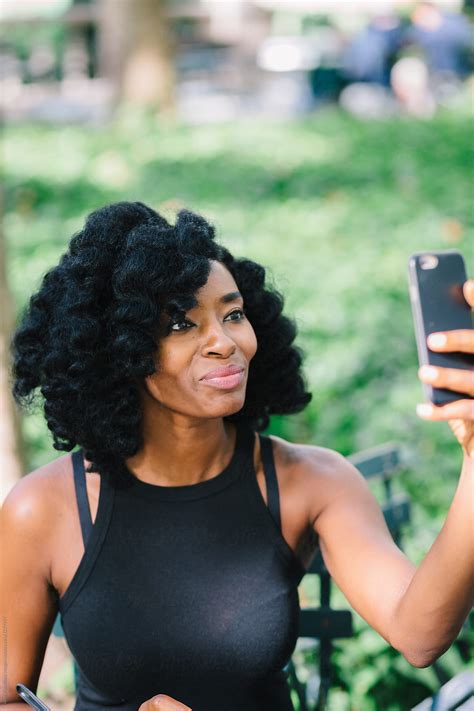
x=444, y=39
x=366, y=65
x=370, y=54
x=422, y=63
x=411, y=85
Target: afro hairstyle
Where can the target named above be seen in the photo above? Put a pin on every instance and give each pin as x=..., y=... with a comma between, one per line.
x=89, y=336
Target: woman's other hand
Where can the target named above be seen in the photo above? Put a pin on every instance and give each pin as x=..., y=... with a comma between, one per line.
x=460, y=413
x=162, y=702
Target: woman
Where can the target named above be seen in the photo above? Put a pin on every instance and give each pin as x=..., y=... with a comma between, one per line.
x=175, y=560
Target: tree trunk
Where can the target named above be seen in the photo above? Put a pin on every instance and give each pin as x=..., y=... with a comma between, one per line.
x=11, y=459
x=137, y=52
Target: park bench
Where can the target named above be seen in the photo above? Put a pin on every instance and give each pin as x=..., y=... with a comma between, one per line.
x=457, y=693
x=323, y=624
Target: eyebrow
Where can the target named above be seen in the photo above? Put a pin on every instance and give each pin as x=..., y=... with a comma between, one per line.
x=231, y=296
x=226, y=298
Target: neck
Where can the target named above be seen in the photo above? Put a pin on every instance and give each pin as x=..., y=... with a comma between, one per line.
x=180, y=450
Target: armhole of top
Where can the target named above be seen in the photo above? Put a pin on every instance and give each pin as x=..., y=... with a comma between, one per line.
x=271, y=481
x=85, y=516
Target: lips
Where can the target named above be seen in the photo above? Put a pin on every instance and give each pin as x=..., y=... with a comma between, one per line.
x=223, y=372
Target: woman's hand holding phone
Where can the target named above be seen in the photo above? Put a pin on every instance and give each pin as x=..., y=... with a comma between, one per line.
x=163, y=702
x=460, y=413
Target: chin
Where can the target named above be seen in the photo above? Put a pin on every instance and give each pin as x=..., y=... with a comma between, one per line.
x=224, y=409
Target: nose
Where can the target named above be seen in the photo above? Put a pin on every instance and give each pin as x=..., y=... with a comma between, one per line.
x=217, y=341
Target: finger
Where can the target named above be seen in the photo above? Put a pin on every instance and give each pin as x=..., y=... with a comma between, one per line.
x=445, y=341
x=457, y=379
x=163, y=702
x=460, y=409
x=468, y=289
x=464, y=430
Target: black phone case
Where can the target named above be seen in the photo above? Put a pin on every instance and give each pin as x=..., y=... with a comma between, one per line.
x=438, y=304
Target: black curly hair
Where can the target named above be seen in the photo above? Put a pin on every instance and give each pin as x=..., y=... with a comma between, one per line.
x=89, y=335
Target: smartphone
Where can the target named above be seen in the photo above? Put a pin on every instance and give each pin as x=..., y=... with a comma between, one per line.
x=31, y=698
x=438, y=304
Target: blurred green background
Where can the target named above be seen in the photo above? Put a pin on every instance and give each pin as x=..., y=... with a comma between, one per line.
x=233, y=109
x=333, y=207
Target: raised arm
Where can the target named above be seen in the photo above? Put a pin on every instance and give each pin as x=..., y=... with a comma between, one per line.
x=27, y=602
x=417, y=610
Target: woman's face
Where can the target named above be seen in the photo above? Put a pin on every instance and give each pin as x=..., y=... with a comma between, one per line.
x=214, y=334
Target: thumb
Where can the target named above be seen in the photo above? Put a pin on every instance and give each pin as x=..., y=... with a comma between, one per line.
x=468, y=289
x=163, y=702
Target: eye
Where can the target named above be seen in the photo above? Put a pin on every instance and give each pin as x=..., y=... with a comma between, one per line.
x=179, y=323
x=176, y=325
x=236, y=311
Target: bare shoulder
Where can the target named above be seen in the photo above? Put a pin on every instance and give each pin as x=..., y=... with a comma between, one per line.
x=320, y=473
x=40, y=487
x=37, y=500
x=311, y=462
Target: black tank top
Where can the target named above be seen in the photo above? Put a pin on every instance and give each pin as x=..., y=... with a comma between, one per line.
x=189, y=591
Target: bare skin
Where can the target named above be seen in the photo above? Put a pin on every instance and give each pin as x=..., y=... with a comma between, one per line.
x=321, y=494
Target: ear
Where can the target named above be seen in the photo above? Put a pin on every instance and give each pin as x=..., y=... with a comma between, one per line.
x=150, y=388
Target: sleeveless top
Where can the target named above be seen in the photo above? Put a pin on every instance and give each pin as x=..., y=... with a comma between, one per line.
x=189, y=591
